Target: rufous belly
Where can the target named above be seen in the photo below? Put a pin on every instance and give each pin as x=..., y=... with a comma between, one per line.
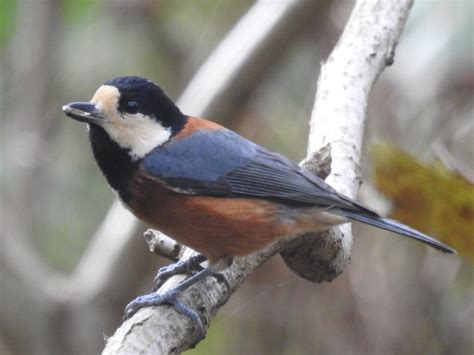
x=218, y=226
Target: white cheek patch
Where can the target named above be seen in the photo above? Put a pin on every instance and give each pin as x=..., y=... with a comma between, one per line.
x=138, y=133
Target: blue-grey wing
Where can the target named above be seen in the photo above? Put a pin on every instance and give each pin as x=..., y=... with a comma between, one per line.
x=222, y=163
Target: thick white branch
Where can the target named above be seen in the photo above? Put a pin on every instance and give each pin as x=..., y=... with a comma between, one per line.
x=365, y=48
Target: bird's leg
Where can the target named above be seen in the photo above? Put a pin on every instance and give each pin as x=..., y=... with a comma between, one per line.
x=171, y=297
x=179, y=267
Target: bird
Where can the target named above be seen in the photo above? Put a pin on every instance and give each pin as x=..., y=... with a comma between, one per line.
x=206, y=186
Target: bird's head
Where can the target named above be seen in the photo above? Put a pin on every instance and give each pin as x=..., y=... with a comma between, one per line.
x=134, y=112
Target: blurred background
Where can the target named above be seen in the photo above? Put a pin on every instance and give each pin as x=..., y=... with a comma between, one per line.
x=396, y=296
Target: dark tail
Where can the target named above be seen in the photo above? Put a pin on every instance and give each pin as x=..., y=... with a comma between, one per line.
x=397, y=227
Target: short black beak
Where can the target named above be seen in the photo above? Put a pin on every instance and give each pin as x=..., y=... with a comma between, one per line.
x=83, y=112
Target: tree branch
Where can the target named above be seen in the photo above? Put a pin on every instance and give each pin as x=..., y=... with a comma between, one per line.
x=364, y=49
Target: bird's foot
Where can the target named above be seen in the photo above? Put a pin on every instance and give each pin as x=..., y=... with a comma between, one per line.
x=180, y=267
x=169, y=297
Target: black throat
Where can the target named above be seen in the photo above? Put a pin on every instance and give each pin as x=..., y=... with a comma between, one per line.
x=114, y=161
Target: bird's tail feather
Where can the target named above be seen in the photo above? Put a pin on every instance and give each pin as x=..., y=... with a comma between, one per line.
x=397, y=227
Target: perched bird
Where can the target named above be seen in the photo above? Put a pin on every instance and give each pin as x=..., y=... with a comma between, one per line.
x=204, y=185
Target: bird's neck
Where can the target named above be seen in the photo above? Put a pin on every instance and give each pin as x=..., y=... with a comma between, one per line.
x=114, y=161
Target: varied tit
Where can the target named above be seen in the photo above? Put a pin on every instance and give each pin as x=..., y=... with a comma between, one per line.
x=204, y=185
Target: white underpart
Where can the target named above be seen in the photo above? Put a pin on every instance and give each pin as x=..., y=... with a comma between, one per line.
x=138, y=133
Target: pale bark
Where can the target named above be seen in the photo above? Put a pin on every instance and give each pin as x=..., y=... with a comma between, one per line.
x=365, y=48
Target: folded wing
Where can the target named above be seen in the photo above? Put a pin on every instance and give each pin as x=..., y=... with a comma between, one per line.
x=222, y=163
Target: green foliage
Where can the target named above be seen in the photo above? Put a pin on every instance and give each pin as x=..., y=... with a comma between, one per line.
x=77, y=10
x=427, y=197
x=7, y=20
x=217, y=339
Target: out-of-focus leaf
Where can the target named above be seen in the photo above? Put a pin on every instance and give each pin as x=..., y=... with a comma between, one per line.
x=427, y=197
x=7, y=20
x=77, y=10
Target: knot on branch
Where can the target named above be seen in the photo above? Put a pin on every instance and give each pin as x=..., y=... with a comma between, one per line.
x=313, y=256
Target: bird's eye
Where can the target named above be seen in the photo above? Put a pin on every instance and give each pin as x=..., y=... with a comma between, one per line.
x=131, y=107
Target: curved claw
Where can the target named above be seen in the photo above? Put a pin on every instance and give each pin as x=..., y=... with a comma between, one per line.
x=180, y=267
x=152, y=299
x=194, y=316
x=222, y=280
x=164, y=274
x=170, y=297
